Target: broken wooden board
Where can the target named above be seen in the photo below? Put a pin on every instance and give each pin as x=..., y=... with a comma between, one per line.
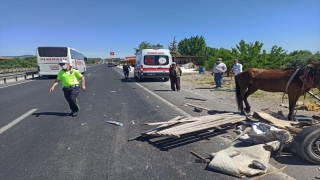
x=275, y=121
x=189, y=119
x=203, y=123
x=196, y=99
x=192, y=105
x=172, y=122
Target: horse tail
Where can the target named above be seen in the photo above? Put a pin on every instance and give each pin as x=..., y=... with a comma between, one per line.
x=238, y=94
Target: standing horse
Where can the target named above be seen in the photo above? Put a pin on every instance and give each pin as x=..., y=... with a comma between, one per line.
x=295, y=82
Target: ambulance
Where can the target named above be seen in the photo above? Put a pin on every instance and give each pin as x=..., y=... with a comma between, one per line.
x=152, y=63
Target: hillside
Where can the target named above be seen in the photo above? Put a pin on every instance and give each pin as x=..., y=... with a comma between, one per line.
x=21, y=57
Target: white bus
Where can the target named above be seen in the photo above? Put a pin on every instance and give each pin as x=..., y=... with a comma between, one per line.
x=49, y=57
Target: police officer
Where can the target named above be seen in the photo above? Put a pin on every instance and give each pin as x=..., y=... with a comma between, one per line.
x=70, y=85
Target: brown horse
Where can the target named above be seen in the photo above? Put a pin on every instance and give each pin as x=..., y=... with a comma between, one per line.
x=276, y=80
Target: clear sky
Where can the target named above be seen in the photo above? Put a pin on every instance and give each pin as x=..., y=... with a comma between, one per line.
x=98, y=27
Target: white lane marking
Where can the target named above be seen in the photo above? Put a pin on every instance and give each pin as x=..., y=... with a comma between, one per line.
x=25, y=81
x=89, y=74
x=14, y=122
x=93, y=66
x=160, y=98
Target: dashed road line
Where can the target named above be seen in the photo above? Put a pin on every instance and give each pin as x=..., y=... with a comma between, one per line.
x=16, y=83
x=14, y=122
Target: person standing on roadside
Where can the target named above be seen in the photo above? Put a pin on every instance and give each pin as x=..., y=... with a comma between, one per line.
x=237, y=68
x=218, y=69
x=126, y=69
x=175, y=74
x=70, y=85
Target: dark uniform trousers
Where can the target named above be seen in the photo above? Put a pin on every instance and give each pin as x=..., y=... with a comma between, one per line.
x=126, y=72
x=175, y=83
x=71, y=95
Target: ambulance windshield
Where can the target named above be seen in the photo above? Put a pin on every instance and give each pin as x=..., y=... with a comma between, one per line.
x=156, y=60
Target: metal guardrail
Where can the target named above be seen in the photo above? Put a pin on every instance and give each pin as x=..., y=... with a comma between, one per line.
x=17, y=75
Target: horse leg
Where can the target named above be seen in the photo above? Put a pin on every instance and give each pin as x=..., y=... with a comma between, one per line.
x=292, y=104
x=240, y=92
x=251, y=90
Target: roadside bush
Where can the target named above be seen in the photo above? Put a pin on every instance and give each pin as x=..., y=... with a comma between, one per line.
x=18, y=63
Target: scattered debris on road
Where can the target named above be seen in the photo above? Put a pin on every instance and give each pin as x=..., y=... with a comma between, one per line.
x=200, y=107
x=197, y=110
x=199, y=99
x=194, y=124
x=116, y=123
x=267, y=131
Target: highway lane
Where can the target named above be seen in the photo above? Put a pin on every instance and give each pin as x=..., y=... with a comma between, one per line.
x=50, y=145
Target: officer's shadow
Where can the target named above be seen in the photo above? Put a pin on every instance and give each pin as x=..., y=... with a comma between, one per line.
x=51, y=114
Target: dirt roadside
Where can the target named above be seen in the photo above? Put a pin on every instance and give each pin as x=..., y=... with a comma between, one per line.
x=202, y=85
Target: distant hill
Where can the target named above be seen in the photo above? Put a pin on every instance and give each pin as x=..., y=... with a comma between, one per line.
x=21, y=57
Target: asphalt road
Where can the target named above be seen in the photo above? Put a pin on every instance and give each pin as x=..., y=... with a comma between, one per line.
x=47, y=143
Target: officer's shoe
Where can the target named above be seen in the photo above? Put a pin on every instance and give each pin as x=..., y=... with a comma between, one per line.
x=74, y=114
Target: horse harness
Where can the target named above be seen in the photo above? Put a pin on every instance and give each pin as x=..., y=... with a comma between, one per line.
x=308, y=78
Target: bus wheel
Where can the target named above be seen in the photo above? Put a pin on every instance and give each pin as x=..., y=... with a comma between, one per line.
x=166, y=79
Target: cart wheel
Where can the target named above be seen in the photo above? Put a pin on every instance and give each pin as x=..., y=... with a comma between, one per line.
x=307, y=144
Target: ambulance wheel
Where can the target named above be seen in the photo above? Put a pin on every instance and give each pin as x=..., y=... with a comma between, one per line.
x=307, y=144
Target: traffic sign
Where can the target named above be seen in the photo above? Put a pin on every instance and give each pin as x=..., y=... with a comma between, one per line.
x=111, y=53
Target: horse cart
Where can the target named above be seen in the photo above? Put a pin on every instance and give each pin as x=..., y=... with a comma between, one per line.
x=295, y=83
x=306, y=142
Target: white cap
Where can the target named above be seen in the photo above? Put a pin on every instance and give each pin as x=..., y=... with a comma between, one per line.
x=173, y=62
x=63, y=61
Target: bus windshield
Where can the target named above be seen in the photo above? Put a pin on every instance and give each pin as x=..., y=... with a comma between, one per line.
x=53, y=51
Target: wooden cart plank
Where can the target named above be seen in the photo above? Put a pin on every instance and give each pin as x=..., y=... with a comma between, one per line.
x=196, y=123
x=190, y=119
x=206, y=126
x=212, y=124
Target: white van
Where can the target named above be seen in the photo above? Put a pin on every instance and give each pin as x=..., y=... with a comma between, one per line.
x=153, y=63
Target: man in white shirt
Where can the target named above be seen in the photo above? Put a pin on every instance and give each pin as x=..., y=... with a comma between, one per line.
x=237, y=67
x=218, y=69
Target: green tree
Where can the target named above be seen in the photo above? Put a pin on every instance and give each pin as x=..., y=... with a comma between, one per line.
x=214, y=54
x=173, y=48
x=194, y=46
x=277, y=58
x=299, y=58
x=302, y=57
x=146, y=45
x=249, y=54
